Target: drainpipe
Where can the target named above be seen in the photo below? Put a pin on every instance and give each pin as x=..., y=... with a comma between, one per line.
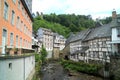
x=53, y=47
x=24, y=67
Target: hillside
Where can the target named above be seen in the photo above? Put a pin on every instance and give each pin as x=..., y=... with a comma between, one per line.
x=74, y=22
x=65, y=23
x=55, y=27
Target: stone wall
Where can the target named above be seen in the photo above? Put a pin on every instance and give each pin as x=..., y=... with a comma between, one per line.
x=56, y=53
x=115, y=68
x=65, y=51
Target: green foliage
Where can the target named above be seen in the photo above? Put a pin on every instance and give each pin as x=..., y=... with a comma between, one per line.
x=66, y=23
x=55, y=27
x=37, y=66
x=37, y=57
x=43, y=54
x=106, y=20
x=81, y=67
x=117, y=74
x=74, y=22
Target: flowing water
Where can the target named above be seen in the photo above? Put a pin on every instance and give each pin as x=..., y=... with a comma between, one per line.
x=54, y=71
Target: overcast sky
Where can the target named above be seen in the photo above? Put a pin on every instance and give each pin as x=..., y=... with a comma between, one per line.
x=96, y=8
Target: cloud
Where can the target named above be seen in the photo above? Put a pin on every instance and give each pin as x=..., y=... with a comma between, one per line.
x=47, y=6
x=96, y=8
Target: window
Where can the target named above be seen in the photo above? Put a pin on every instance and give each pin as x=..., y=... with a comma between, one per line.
x=11, y=39
x=12, y=17
x=22, y=10
x=14, y=1
x=24, y=42
x=4, y=40
x=118, y=48
x=6, y=11
x=17, y=41
x=104, y=55
x=20, y=42
x=4, y=34
x=104, y=44
x=118, y=30
x=10, y=65
x=18, y=19
x=27, y=30
x=19, y=4
x=21, y=25
x=24, y=28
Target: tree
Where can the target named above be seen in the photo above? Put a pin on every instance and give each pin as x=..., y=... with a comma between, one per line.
x=106, y=20
x=71, y=21
x=55, y=27
x=43, y=54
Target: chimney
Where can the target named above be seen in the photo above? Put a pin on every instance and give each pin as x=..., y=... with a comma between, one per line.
x=114, y=15
x=37, y=13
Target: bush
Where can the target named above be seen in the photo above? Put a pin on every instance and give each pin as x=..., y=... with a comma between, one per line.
x=37, y=57
x=43, y=54
x=40, y=59
x=81, y=67
x=37, y=67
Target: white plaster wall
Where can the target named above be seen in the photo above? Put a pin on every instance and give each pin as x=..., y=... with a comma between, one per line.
x=115, y=38
x=29, y=65
x=114, y=34
x=16, y=72
x=74, y=46
x=49, y=55
x=62, y=47
x=81, y=57
x=71, y=47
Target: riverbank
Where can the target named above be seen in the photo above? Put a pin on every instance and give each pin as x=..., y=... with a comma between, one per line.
x=55, y=71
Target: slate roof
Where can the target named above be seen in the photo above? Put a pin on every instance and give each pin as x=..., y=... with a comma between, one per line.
x=80, y=35
x=98, y=32
x=69, y=38
x=114, y=23
x=25, y=5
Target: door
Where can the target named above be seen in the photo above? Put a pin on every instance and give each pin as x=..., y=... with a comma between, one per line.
x=4, y=38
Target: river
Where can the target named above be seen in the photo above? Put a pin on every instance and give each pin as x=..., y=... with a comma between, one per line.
x=55, y=71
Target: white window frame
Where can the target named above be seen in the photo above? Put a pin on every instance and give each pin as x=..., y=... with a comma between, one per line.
x=6, y=8
x=14, y=1
x=11, y=39
x=19, y=4
x=20, y=42
x=18, y=21
x=17, y=40
x=12, y=17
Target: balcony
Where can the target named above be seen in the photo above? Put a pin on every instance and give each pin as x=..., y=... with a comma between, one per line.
x=16, y=52
x=6, y=56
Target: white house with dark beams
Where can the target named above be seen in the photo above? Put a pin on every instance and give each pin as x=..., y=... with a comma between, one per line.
x=97, y=41
x=77, y=47
x=97, y=44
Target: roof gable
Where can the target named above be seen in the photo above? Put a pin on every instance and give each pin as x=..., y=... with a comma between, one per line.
x=98, y=32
